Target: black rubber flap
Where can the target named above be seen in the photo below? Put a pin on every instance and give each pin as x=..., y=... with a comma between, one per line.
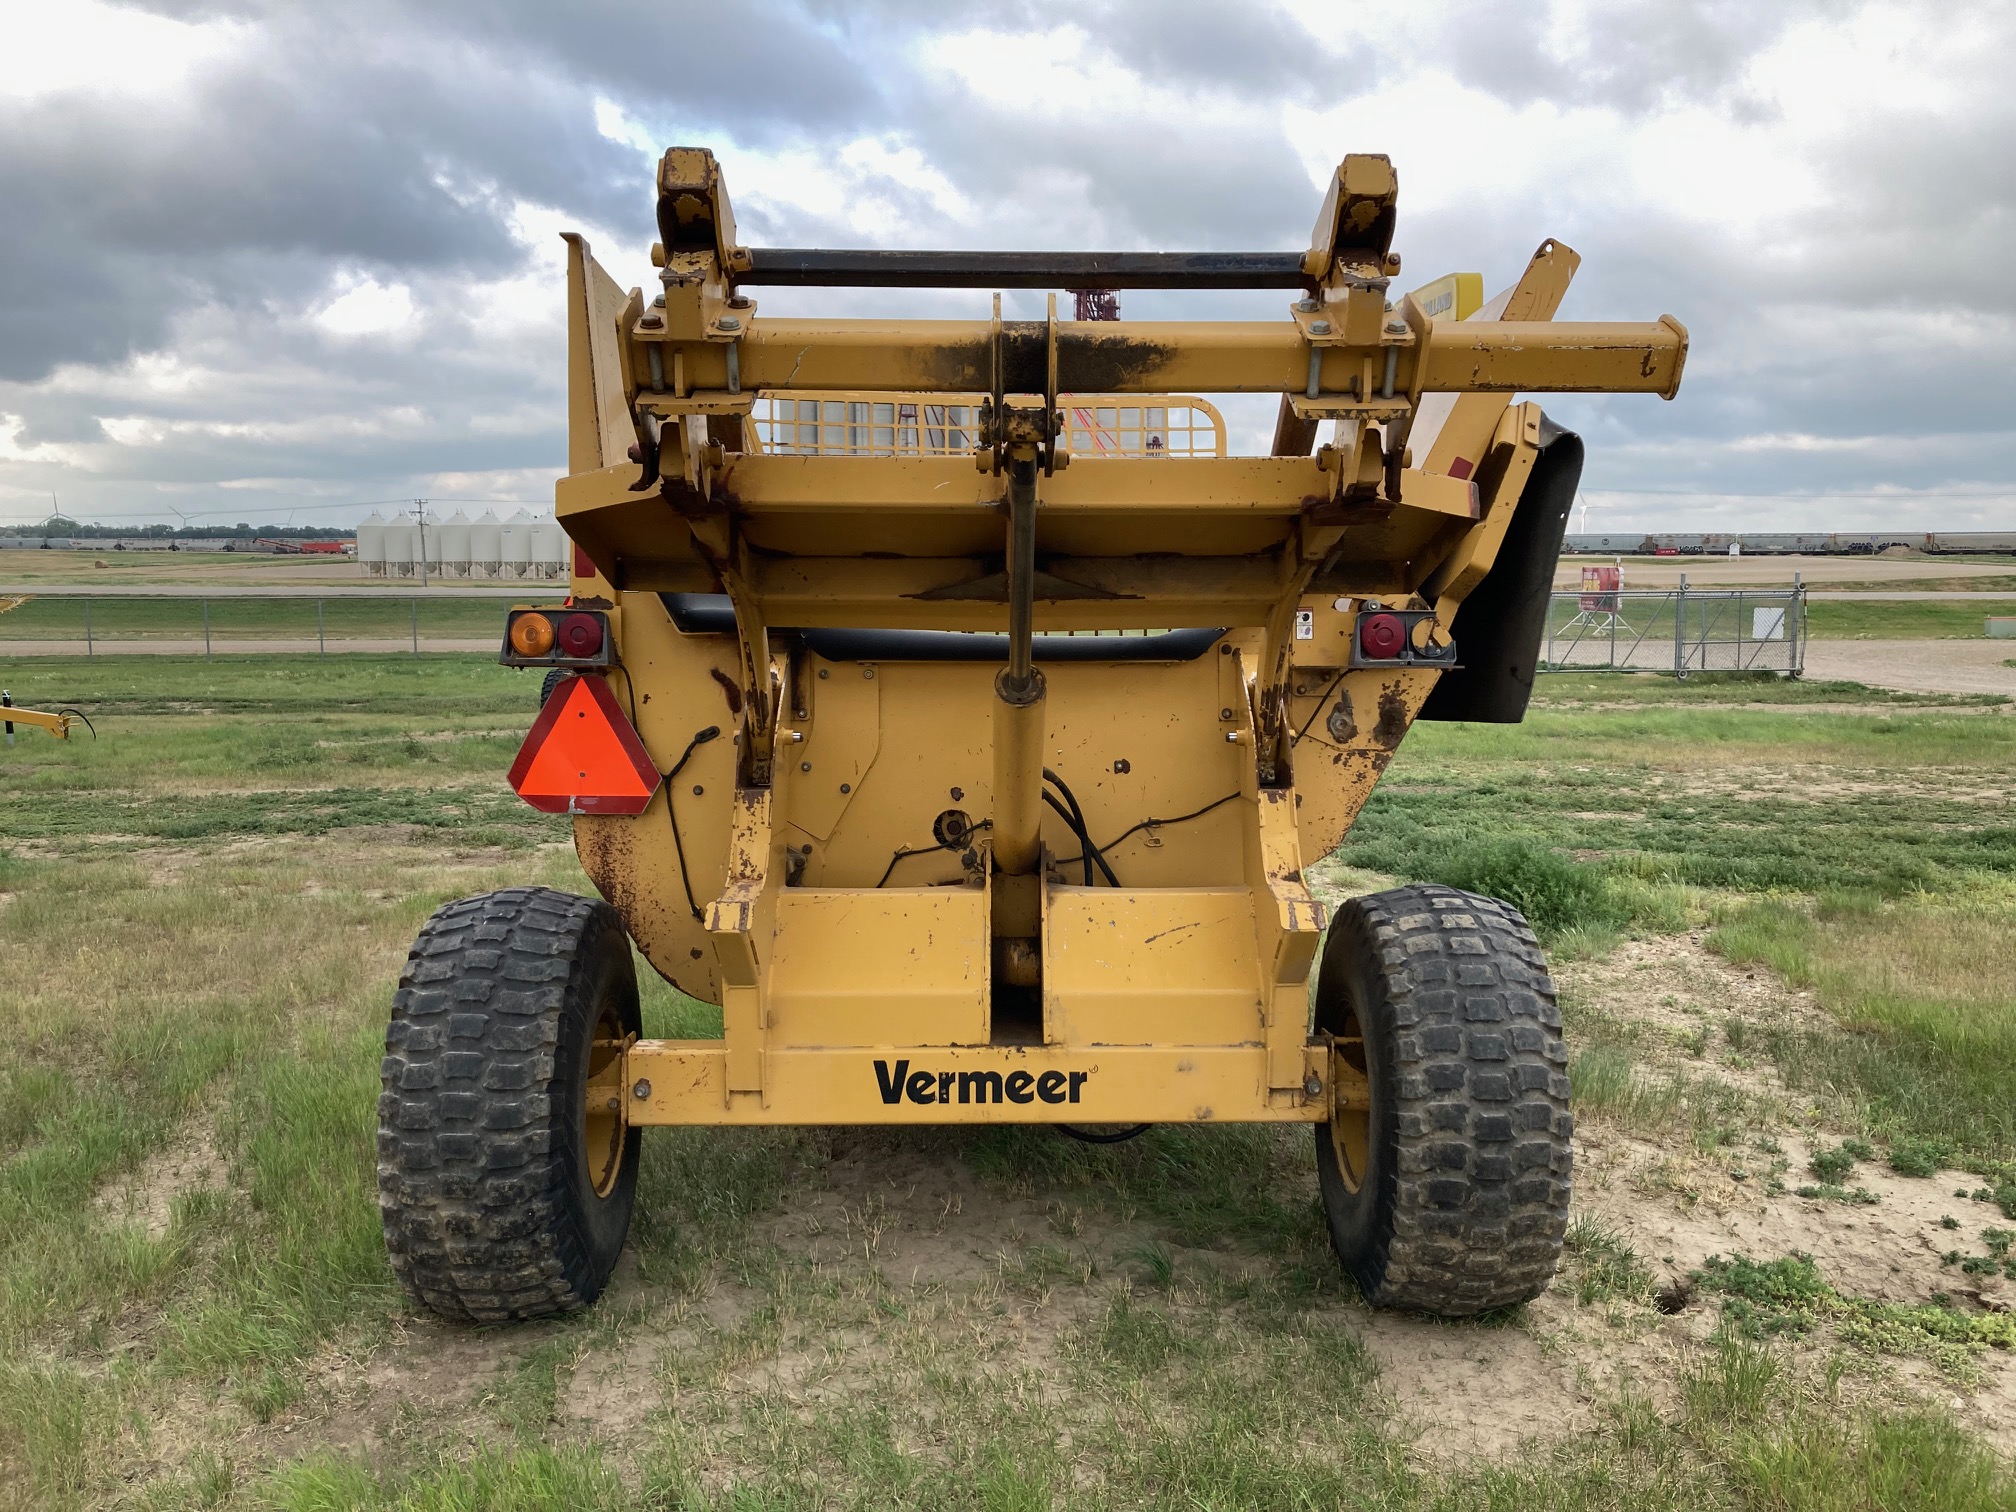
x=1499, y=626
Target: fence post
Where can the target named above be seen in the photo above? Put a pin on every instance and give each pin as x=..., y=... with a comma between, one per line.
x=206, y=629
x=88, y=651
x=1797, y=661
x=1680, y=631
x=416, y=626
x=321, y=639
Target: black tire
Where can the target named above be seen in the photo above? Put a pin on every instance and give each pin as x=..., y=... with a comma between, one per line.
x=487, y=1175
x=549, y=682
x=1449, y=1195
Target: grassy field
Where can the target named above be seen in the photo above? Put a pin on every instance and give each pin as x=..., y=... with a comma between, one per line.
x=1903, y=619
x=439, y=616
x=202, y=912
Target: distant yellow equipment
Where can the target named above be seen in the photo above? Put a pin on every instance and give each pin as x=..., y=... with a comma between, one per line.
x=59, y=723
x=939, y=699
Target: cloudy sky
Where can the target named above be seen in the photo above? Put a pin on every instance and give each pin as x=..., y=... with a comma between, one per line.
x=270, y=259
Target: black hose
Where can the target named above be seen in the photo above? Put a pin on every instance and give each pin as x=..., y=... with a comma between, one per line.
x=1076, y=819
x=1321, y=699
x=699, y=739
x=1149, y=823
x=903, y=854
x=1089, y=852
x=1119, y=1136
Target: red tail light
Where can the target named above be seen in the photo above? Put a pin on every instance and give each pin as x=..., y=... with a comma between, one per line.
x=580, y=636
x=1381, y=637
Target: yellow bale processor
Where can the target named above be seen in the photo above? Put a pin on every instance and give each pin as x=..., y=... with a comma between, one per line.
x=941, y=700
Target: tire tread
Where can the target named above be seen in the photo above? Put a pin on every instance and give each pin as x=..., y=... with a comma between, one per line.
x=473, y=1182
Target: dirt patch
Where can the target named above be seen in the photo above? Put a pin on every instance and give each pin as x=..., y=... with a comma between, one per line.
x=892, y=1254
x=1914, y=666
x=190, y=1162
x=1681, y=1000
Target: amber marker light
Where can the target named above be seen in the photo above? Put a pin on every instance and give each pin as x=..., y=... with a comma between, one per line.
x=532, y=635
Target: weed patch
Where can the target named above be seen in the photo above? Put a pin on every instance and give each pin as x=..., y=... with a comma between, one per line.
x=1789, y=1296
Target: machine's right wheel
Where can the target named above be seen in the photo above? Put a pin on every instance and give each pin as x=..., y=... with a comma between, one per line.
x=549, y=682
x=506, y=1171
x=1446, y=1185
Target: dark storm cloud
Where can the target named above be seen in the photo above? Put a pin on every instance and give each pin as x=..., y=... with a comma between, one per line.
x=200, y=227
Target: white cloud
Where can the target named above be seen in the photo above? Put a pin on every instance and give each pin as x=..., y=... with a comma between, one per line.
x=95, y=48
x=369, y=308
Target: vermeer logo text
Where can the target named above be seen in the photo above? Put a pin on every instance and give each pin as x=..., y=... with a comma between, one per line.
x=899, y=1082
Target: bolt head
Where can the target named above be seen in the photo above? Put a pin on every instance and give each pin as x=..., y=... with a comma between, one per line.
x=1396, y=328
x=641, y=1091
x=728, y=323
x=1319, y=328
x=1307, y=306
x=1312, y=1086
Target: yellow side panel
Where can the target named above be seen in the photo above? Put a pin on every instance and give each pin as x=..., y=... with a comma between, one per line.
x=894, y=966
x=1337, y=764
x=1138, y=968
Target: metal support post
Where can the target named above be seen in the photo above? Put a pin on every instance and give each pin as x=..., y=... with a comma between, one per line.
x=88, y=651
x=321, y=638
x=1018, y=691
x=1680, y=631
x=206, y=629
x=1796, y=652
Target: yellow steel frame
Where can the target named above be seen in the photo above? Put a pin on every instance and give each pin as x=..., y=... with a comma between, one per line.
x=867, y=974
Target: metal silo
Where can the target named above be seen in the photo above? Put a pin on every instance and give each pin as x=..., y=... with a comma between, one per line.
x=486, y=539
x=400, y=547
x=454, y=535
x=371, y=544
x=515, y=557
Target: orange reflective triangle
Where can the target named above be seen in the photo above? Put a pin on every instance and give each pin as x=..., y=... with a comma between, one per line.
x=582, y=756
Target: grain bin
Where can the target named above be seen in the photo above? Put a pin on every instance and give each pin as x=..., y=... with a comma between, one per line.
x=486, y=537
x=371, y=544
x=454, y=536
x=515, y=557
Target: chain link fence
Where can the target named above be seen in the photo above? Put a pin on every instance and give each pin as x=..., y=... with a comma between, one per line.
x=1679, y=631
x=83, y=625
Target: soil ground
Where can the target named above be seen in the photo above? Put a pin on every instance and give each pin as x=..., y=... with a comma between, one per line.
x=1931, y=666
x=1768, y=906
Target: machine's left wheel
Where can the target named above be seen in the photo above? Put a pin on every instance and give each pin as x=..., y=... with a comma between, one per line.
x=506, y=1173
